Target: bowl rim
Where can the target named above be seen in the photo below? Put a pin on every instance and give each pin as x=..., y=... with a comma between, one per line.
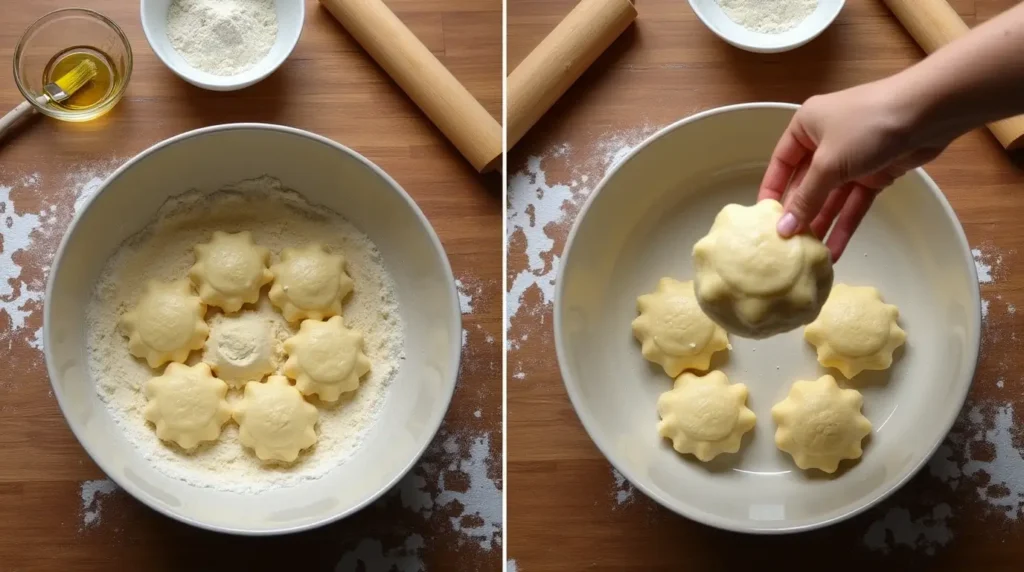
x=590, y=424
x=760, y=49
x=454, y=358
x=227, y=84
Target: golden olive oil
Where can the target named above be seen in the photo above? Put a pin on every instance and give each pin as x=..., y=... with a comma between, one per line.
x=93, y=93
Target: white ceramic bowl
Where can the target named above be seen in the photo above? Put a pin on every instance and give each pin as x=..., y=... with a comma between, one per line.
x=641, y=223
x=326, y=173
x=290, y=16
x=711, y=14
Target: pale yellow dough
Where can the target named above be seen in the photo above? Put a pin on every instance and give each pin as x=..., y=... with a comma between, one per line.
x=326, y=359
x=240, y=348
x=275, y=421
x=753, y=282
x=705, y=416
x=230, y=270
x=166, y=324
x=186, y=404
x=309, y=283
x=856, y=330
x=673, y=330
x=820, y=424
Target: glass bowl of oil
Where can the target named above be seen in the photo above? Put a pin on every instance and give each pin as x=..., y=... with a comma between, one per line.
x=61, y=40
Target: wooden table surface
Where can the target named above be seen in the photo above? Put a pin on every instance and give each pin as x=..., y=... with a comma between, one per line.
x=328, y=86
x=567, y=509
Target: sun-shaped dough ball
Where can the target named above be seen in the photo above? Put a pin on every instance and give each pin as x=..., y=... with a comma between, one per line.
x=674, y=332
x=241, y=348
x=754, y=282
x=820, y=424
x=705, y=416
x=166, y=324
x=326, y=358
x=855, y=330
x=275, y=421
x=309, y=283
x=230, y=270
x=187, y=404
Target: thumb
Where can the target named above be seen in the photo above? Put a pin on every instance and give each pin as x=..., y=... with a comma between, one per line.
x=808, y=195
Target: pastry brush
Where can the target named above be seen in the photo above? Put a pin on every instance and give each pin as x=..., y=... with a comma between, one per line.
x=55, y=92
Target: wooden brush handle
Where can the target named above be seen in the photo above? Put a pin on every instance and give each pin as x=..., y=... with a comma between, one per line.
x=933, y=24
x=23, y=109
x=561, y=58
x=424, y=79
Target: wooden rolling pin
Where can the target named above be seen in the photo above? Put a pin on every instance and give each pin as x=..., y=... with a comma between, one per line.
x=424, y=79
x=561, y=58
x=933, y=24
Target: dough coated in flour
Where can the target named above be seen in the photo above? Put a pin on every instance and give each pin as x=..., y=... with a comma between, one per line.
x=275, y=421
x=752, y=281
x=820, y=424
x=309, y=283
x=673, y=330
x=230, y=270
x=855, y=330
x=166, y=324
x=705, y=416
x=186, y=404
x=241, y=349
x=326, y=358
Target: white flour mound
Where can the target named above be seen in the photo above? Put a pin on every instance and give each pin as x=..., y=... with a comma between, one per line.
x=277, y=218
x=768, y=16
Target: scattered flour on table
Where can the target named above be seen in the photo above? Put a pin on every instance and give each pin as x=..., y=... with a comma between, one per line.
x=92, y=503
x=370, y=556
x=465, y=297
x=624, y=491
x=511, y=566
x=927, y=532
x=222, y=37
x=768, y=16
x=277, y=218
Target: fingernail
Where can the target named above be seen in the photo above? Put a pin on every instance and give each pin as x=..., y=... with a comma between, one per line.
x=787, y=224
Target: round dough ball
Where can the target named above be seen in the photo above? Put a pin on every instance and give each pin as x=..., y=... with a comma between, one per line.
x=309, y=283
x=186, y=404
x=166, y=324
x=674, y=332
x=230, y=270
x=241, y=348
x=752, y=281
x=275, y=421
x=820, y=424
x=326, y=359
x=705, y=416
x=856, y=330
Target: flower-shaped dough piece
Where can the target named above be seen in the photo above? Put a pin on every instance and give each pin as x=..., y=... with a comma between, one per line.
x=187, y=404
x=673, y=330
x=326, y=358
x=755, y=283
x=230, y=270
x=166, y=324
x=705, y=416
x=275, y=421
x=855, y=330
x=309, y=283
x=240, y=348
x=820, y=424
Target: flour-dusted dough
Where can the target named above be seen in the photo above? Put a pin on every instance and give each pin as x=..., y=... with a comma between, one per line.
x=275, y=421
x=705, y=416
x=751, y=280
x=820, y=424
x=230, y=270
x=166, y=324
x=186, y=404
x=326, y=359
x=856, y=330
x=241, y=349
x=674, y=332
x=309, y=283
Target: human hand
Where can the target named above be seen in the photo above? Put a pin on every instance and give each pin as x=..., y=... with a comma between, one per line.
x=839, y=151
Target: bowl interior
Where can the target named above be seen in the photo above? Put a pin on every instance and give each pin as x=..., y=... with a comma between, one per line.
x=328, y=175
x=714, y=17
x=641, y=225
x=290, y=16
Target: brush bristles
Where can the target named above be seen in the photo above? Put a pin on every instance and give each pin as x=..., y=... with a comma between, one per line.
x=77, y=77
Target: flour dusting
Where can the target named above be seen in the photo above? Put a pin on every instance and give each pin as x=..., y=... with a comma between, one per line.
x=623, y=492
x=92, y=504
x=369, y=556
x=897, y=528
x=511, y=566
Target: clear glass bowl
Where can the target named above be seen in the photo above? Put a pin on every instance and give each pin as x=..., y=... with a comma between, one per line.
x=55, y=33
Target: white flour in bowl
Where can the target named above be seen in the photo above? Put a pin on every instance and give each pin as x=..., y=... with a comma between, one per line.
x=277, y=218
x=768, y=16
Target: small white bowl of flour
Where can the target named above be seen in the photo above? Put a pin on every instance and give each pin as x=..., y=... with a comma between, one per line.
x=223, y=45
x=767, y=26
